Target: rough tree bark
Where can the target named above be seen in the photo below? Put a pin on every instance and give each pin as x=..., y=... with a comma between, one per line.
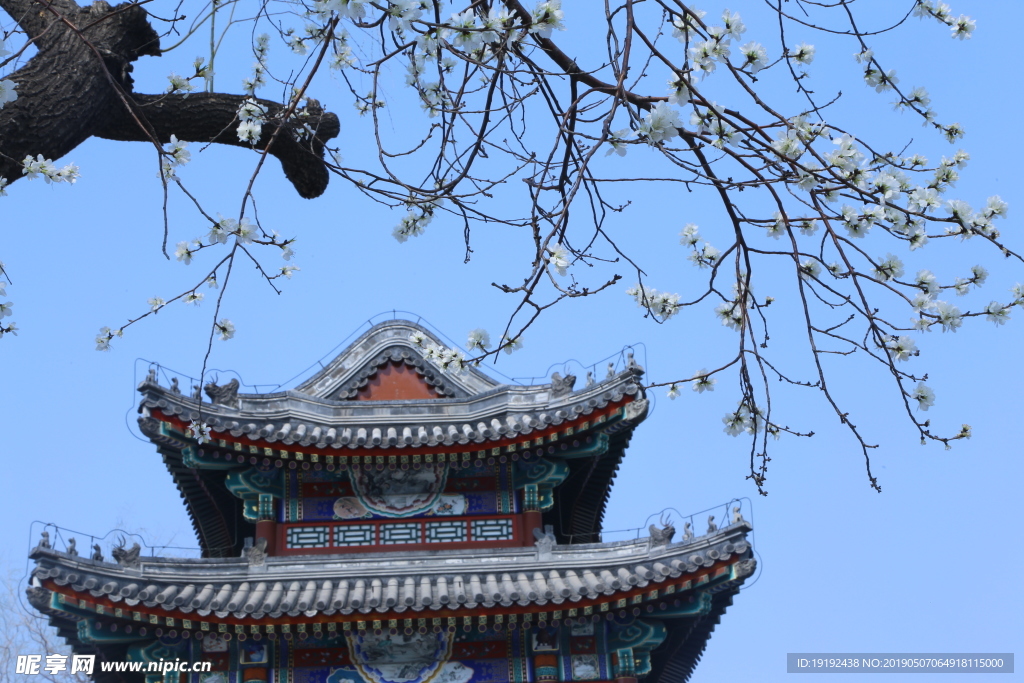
x=79, y=85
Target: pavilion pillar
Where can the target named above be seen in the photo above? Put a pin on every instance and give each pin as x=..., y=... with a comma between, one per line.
x=532, y=517
x=266, y=524
x=254, y=674
x=624, y=665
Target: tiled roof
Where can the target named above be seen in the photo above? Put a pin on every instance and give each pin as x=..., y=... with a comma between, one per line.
x=478, y=410
x=373, y=584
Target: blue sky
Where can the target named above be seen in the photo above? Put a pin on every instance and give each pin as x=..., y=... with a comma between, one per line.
x=926, y=566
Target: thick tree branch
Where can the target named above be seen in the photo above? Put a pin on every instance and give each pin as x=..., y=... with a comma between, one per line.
x=79, y=85
x=206, y=117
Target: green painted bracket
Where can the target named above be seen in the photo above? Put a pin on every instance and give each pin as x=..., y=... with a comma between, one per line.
x=155, y=651
x=545, y=472
x=641, y=634
x=257, y=490
x=700, y=607
x=88, y=633
x=597, y=448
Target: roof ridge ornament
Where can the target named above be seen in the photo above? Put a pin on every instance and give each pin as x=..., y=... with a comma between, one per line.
x=561, y=386
x=257, y=553
x=226, y=395
x=129, y=559
x=545, y=542
x=662, y=536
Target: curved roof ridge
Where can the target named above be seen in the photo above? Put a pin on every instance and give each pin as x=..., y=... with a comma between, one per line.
x=367, y=353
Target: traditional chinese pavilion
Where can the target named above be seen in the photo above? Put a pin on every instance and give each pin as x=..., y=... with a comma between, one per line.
x=389, y=522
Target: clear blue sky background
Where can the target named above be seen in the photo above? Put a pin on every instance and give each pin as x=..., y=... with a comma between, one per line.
x=930, y=565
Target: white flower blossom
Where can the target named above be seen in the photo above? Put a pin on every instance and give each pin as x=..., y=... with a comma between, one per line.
x=980, y=274
x=179, y=84
x=679, y=90
x=511, y=345
x=225, y=328
x=661, y=123
x=890, y=268
x=200, y=431
x=734, y=26
x=702, y=382
x=183, y=253
x=194, y=298
x=673, y=392
x=808, y=226
x=617, y=142
x=689, y=236
x=558, y=257
x=730, y=314
x=250, y=131
x=997, y=313
x=755, y=55
x=351, y=9
x=7, y=92
x=802, y=53
x=901, y=348
x=156, y=303
x=926, y=282
x=478, y=339
x=682, y=28
x=949, y=316
x=809, y=269
x=546, y=17
x=778, y=228
x=995, y=207
x=924, y=396
x=962, y=27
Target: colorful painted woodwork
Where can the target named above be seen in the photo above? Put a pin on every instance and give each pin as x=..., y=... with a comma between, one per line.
x=390, y=523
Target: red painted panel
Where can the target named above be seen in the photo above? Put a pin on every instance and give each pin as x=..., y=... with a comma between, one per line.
x=322, y=656
x=396, y=382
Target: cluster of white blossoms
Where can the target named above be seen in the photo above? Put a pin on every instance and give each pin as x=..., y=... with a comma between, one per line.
x=34, y=168
x=105, y=336
x=743, y=420
x=251, y=116
x=412, y=225
x=702, y=382
x=449, y=360
x=243, y=231
x=960, y=27
x=174, y=156
x=415, y=222
x=259, y=68
x=179, y=84
x=662, y=304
